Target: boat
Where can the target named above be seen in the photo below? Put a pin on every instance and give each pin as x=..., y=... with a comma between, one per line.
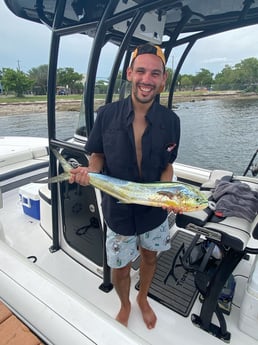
x=53, y=269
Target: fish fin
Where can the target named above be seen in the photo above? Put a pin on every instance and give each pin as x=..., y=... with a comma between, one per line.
x=55, y=179
x=59, y=178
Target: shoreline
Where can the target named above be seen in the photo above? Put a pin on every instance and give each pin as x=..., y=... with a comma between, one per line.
x=21, y=108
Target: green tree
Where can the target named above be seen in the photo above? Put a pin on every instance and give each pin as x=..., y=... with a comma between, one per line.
x=246, y=74
x=68, y=78
x=225, y=80
x=242, y=76
x=101, y=86
x=169, y=78
x=78, y=87
x=203, y=78
x=39, y=75
x=187, y=81
x=119, y=82
x=1, y=77
x=16, y=81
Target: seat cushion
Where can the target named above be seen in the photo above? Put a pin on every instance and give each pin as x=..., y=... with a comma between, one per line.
x=235, y=232
x=199, y=218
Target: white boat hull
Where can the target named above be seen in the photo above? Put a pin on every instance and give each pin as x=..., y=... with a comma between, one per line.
x=59, y=297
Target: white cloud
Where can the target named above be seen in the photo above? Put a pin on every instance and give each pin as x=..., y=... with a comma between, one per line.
x=22, y=43
x=229, y=48
x=215, y=60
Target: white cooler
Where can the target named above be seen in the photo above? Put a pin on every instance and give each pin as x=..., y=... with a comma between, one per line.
x=248, y=322
x=29, y=196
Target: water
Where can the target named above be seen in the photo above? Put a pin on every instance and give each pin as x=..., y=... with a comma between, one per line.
x=215, y=134
x=218, y=134
x=35, y=125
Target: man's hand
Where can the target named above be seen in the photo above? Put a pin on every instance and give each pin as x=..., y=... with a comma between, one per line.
x=80, y=176
x=173, y=209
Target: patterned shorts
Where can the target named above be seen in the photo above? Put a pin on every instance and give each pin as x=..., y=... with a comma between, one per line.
x=123, y=249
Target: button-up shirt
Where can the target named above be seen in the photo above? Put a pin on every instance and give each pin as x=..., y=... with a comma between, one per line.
x=113, y=135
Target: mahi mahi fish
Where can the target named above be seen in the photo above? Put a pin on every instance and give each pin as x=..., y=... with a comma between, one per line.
x=158, y=194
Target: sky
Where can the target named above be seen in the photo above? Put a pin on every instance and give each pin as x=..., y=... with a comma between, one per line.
x=25, y=45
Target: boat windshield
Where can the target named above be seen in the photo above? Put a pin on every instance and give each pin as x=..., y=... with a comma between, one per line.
x=122, y=90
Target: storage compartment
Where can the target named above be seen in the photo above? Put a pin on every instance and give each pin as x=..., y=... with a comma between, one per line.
x=248, y=321
x=30, y=200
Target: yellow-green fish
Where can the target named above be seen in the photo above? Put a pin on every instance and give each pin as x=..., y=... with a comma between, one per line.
x=159, y=194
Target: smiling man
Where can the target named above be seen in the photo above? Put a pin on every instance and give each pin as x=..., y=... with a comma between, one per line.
x=135, y=139
x=148, y=76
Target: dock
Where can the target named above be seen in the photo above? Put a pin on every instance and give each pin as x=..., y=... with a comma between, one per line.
x=13, y=331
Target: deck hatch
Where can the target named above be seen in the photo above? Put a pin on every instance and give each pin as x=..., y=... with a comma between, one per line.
x=172, y=285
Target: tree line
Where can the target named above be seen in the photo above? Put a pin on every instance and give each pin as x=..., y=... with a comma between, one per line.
x=35, y=81
x=242, y=76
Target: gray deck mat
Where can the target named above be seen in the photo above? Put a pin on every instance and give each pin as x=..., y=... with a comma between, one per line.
x=172, y=285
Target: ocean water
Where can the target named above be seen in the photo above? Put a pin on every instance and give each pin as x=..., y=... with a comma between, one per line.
x=219, y=134
x=215, y=134
x=35, y=125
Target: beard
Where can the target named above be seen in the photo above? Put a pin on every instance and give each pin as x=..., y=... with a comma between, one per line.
x=143, y=96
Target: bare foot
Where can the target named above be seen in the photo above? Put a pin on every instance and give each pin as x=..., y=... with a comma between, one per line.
x=148, y=314
x=123, y=315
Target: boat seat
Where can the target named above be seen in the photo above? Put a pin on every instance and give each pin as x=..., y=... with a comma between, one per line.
x=231, y=231
x=235, y=232
x=23, y=165
x=231, y=236
x=16, y=157
x=201, y=217
x=216, y=175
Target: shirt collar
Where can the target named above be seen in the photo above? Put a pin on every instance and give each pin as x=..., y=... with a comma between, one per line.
x=151, y=114
x=130, y=112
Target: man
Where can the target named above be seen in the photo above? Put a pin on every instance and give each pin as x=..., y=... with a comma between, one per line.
x=135, y=139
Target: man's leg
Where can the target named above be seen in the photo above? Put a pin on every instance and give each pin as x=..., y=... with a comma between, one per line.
x=121, y=250
x=151, y=242
x=121, y=281
x=147, y=270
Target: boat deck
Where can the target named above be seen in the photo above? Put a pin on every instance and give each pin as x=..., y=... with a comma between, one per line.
x=13, y=331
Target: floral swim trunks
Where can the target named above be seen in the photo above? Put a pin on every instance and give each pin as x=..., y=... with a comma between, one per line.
x=123, y=249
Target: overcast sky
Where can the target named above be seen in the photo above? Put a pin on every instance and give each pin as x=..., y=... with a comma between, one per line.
x=25, y=45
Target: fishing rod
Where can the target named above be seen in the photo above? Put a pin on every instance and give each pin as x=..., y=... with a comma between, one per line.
x=251, y=167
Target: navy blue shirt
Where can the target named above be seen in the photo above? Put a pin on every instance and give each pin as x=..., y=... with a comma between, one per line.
x=112, y=135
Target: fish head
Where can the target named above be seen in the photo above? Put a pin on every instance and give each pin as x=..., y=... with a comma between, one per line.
x=193, y=201
x=186, y=199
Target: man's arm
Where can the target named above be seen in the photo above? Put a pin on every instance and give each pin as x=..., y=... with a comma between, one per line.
x=96, y=162
x=167, y=174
